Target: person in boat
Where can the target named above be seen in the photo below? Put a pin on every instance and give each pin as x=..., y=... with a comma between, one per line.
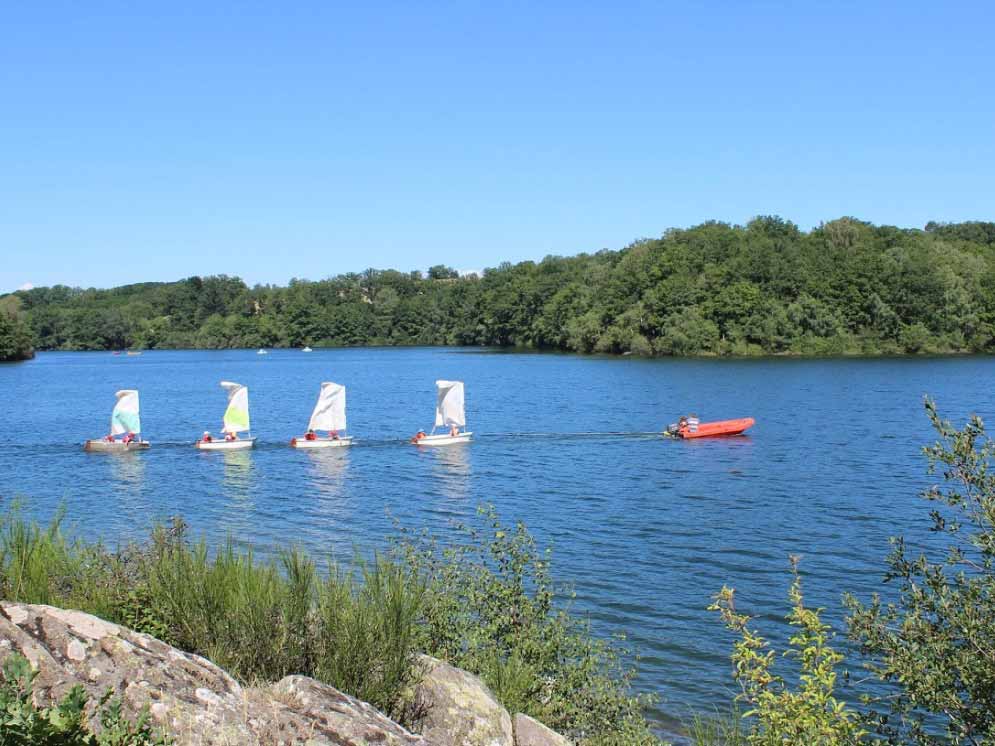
x=206, y=437
x=453, y=431
x=109, y=438
x=230, y=436
x=310, y=435
x=333, y=434
x=129, y=438
x=418, y=436
x=687, y=424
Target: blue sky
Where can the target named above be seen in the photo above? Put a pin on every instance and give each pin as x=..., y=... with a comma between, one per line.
x=143, y=141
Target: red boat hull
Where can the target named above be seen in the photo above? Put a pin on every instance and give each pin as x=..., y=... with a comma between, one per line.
x=721, y=428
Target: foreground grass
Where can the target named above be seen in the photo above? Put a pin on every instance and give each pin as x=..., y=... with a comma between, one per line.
x=720, y=729
x=484, y=603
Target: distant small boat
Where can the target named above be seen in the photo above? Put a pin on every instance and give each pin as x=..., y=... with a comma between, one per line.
x=132, y=353
x=125, y=420
x=116, y=352
x=449, y=412
x=307, y=349
x=328, y=415
x=261, y=351
x=721, y=428
x=236, y=420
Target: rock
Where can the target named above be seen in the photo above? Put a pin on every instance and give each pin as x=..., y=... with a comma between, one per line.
x=338, y=714
x=455, y=708
x=196, y=701
x=529, y=732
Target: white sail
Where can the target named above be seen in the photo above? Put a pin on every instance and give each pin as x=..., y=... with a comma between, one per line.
x=124, y=418
x=236, y=418
x=329, y=412
x=449, y=406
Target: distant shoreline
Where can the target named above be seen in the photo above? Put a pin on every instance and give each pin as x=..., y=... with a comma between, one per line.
x=767, y=288
x=491, y=349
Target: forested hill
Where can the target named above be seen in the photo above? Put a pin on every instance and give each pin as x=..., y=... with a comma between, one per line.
x=767, y=287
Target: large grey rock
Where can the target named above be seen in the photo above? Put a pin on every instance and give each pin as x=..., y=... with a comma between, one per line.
x=196, y=701
x=530, y=732
x=455, y=708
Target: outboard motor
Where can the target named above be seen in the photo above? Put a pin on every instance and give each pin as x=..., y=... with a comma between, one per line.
x=672, y=429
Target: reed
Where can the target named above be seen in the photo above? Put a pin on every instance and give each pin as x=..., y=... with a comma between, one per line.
x=720, y=729
x=486, y=604
x=258, y=619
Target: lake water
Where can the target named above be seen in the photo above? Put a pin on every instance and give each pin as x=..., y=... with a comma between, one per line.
x=645, y=528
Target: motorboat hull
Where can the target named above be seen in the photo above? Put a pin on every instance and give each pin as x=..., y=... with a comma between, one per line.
x=321, y=443
x=103, y=446
x=722, y=428
x=443, y=440
x=225, y=445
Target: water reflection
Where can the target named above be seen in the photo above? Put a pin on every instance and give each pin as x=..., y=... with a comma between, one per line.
x=128, y=469
x=238, y=476
x=452, y=470
x=328, y=469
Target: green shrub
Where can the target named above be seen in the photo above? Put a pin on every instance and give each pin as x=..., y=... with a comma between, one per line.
x=486, y=604
x=265, y=620
x=930, y=650
x=935, y=644
x=22, y=723
x=42, y=566
x=367, y=631
x=260, y=620
x=809, y=715
x=492, y=609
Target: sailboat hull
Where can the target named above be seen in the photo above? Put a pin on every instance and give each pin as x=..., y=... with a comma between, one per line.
x=225, y=445
x=102, y=446
x=443, y=440
x=321, y=443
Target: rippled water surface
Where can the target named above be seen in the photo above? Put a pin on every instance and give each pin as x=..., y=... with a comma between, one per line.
x=645, y=528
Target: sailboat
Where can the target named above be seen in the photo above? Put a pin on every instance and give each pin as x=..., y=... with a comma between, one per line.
x=125, y=421
x=236, y=420
x=449, y=412
x=329, y=415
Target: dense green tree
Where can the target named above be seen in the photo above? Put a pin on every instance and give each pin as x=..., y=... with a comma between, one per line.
x=442, y=272
x=845, y=287
x=16, y=342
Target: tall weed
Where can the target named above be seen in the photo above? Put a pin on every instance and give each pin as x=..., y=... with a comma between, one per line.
x=493, y=609
x=485, y=603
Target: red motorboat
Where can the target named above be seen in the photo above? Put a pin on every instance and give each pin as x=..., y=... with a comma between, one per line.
x=711, y=429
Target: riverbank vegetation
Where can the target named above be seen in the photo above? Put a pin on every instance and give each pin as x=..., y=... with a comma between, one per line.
x=16, y=336
x=927, y=652
x=485, y=603
x=845, y=287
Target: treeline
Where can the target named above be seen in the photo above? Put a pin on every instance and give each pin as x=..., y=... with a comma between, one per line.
x=846, y=287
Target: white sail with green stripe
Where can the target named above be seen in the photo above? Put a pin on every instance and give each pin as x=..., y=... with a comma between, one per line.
x=236, y=419
x=125, y=418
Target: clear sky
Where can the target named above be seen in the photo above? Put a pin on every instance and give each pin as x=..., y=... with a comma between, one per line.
x=153, y=141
